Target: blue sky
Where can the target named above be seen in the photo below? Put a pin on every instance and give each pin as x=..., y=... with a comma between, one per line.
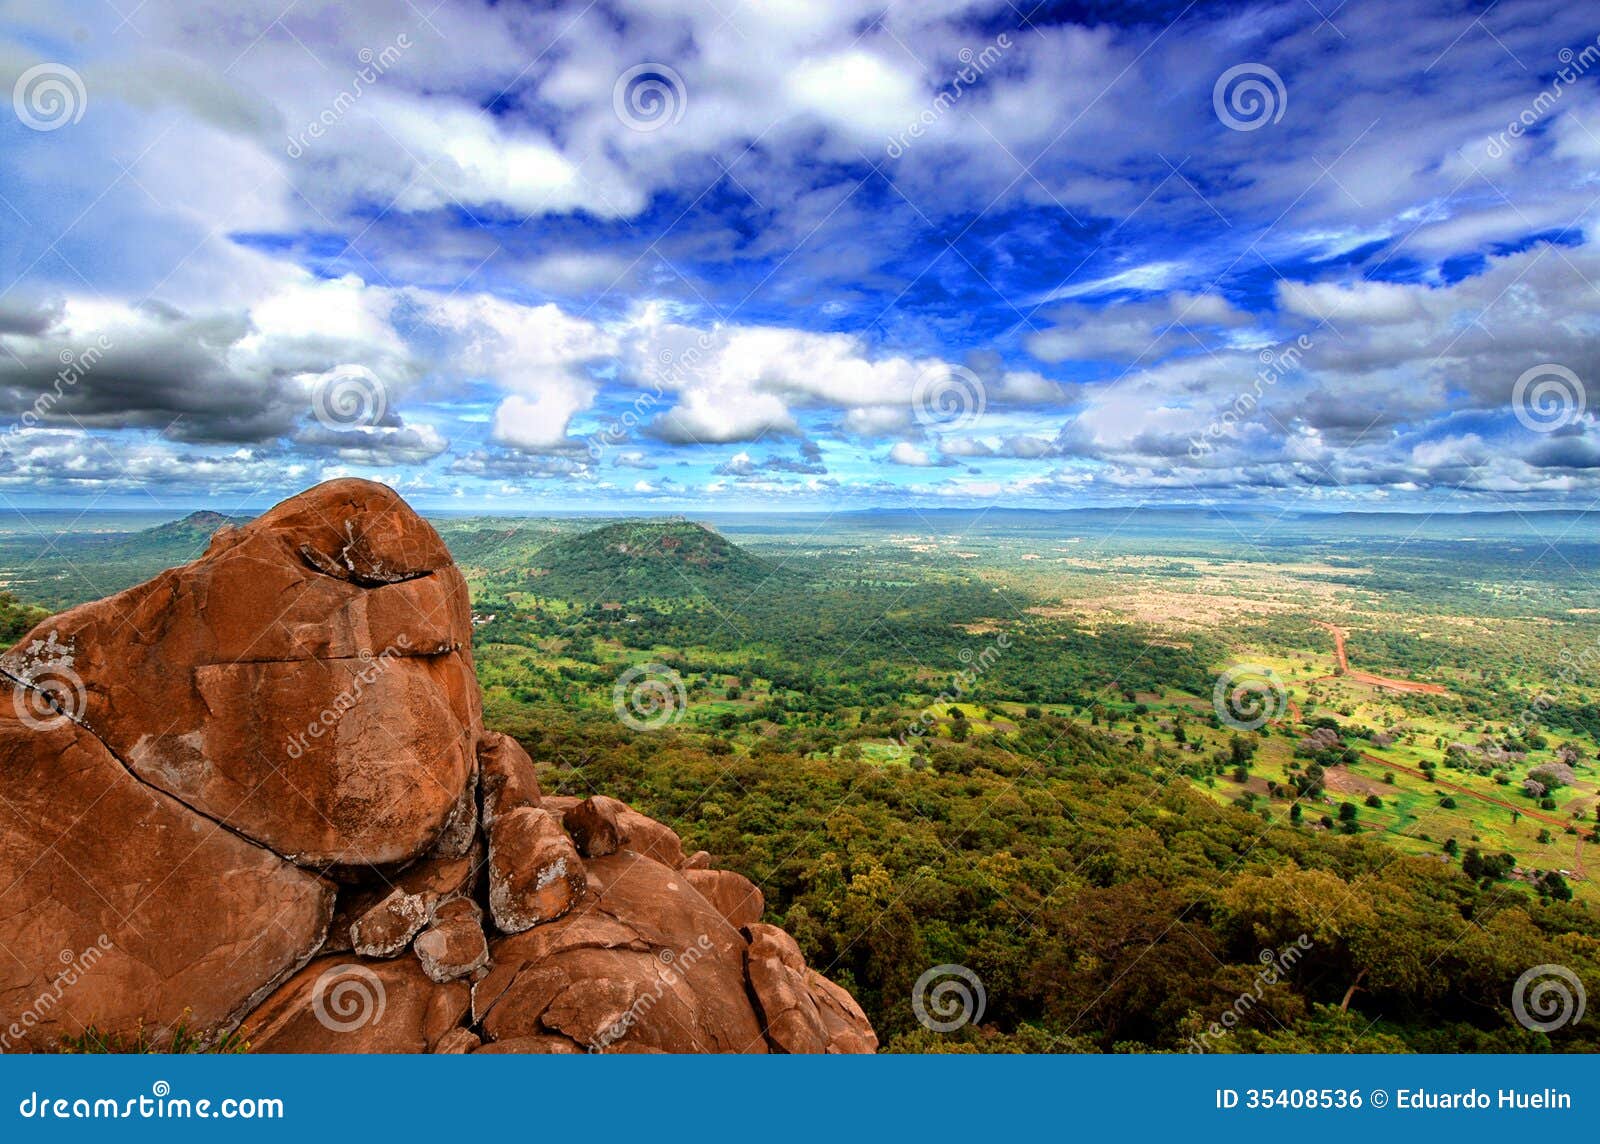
x=731, y=255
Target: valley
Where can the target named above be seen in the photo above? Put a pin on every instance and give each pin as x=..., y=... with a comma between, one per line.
x=1103, y=760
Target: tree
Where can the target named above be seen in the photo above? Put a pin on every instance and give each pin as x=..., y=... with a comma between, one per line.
x=1553, y=885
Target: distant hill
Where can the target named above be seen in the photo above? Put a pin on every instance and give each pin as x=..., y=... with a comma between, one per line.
x=195, y=529
x=636, y=559
x=166, y=545
x=67, y=568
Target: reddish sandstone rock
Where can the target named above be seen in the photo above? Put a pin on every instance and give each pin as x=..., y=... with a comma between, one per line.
x=508, y=779
x=344, y=1005
x=801, y=1011
x=602, y=825
x=646, y=963
x=735, y=897
x=559, y=804
x=458, y=1040
x=535, y=874
x=388, y=927
x=433, y=877
x=453, y=945
x=121, y=906
x=322, y=705
x=847, y=1026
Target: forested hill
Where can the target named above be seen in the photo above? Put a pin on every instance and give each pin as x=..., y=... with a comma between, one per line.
x=654, y=558
x=56, y=570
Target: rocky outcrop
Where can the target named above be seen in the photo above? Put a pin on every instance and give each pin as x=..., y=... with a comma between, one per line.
x=255, y=794
x=802, y=1011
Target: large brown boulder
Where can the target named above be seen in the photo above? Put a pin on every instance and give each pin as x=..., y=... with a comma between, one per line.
x=308, y=681
x=121, y=905
x=254, y=795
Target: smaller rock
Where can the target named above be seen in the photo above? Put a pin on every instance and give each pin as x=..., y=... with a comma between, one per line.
x=802, y=1011
x=388, y=927
x=507, y=776
x=602, y=825
x=535, y=874
x=735, y=897
x=432, y=877
x=699, y=860
x=453, y=945
x=849, y=1031
x=458, y=1040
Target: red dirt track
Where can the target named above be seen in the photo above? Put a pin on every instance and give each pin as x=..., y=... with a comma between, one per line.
x=1406, y=685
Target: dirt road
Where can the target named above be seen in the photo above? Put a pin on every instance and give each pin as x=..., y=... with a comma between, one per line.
x=1405, y=685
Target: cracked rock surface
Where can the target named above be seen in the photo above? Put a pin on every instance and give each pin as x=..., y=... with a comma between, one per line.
x=268, y=804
